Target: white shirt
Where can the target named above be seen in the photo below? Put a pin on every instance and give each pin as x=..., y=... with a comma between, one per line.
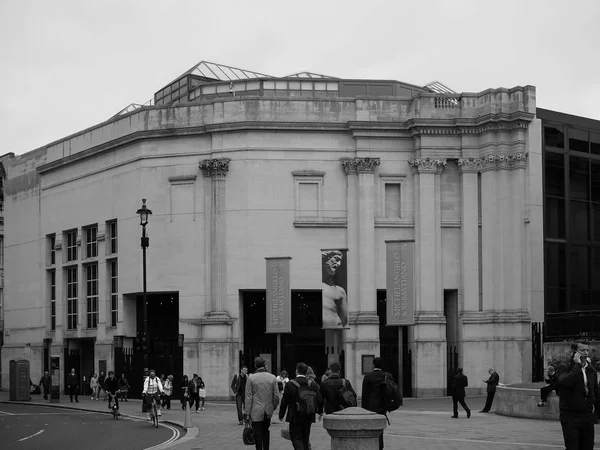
x=152, y=386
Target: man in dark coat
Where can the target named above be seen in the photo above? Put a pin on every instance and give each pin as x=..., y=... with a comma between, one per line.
x=330, y=389
x=492, y=383
x=299, y=426
x=459, y=383
x=73, y=384
x=238, y=386
x=579, y=395
x=45, y=384
x=372, y=391
x=111, y=386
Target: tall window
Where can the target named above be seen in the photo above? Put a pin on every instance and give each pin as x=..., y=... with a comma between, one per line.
x=51, y=251
x=71, y=238
x=113, y=246
x=52, y=274
x=114, y=289
x=71, y=298
x=91, y=241
x=91, y=281
x=1, y=251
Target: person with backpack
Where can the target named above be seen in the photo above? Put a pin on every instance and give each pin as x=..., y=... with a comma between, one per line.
x=379, y=392
x=337, y=392
x=262, y=398
x=302, y=401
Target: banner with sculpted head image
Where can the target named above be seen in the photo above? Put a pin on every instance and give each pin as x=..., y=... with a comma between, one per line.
x=335, y=288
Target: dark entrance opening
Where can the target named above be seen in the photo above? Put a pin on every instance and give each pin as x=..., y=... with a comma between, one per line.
x=164, y=348
x=306, y=343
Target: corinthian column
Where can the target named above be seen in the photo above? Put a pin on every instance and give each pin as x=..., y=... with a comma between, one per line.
x=216, y=169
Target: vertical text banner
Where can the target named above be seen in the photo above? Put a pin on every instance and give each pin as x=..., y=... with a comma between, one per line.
x=334, y=269
x=400, y=267
x=279, y=299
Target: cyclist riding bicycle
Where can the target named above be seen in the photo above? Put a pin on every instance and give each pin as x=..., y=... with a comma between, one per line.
x=152, y=389
x=111, y=385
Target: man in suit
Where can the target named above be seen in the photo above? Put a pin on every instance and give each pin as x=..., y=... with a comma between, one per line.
x=262, y=397
x=459, y=383
x=372, y=398
x=73, y=383
x=300, y=426
x=579, y=395
x=492, y=383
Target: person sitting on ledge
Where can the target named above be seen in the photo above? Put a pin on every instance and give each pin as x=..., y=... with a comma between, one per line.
x=550, y=386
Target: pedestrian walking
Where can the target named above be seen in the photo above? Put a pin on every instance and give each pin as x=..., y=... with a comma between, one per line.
x=45, y=384
x=123, y=387
x=73, y=384
x=262, y=398
x=94, y=386
x=184, y=391
x=372, y=398
x=302, y=402
x=459, y=383
x=492, y=383
x=551, y=381
x=101, y=379
x=579, y=396
x=238, y=386
x=168, y=389
x=201, y=393
x=193, y=392
x=333, y=398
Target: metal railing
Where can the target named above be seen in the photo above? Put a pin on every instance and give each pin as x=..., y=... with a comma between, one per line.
x=580, y=324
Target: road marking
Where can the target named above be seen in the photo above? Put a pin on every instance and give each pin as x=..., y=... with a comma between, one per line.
x=6, y=413
x=168, y=441
x=29, y=437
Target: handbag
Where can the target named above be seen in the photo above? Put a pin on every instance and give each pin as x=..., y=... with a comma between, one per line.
x=248, y=434
x=202, y=393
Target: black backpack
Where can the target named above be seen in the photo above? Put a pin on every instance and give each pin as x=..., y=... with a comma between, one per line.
x=306, y=405
x=346, y=398
x=391, y=395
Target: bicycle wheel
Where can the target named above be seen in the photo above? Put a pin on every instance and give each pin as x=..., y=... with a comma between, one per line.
x=155, y=411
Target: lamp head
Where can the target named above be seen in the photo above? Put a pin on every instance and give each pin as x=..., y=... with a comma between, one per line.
x=144, y=212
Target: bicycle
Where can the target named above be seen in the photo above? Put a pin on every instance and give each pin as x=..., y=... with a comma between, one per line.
x=114, y=409
x=154, y=411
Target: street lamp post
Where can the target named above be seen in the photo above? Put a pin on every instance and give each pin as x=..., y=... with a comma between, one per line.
x=144, y=212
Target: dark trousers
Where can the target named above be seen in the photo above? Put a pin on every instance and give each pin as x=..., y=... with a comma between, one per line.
x=545, y=392
x=489, y=400
x=456, y=401
x=194, y=398
x=166, y=401
x=578, y=432
x=46, y=391
x=73, y=391
x=240, y=403
x=262, y=435
x=300, y=435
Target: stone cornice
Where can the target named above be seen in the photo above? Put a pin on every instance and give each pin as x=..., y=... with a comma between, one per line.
x=215, y=168
x=359, y=165
x=427, y=165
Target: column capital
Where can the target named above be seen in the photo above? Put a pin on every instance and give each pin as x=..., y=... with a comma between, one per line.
x=469, y=165
x=427, y=165
x=359, y=165
x=503, y=161
x=215, y=168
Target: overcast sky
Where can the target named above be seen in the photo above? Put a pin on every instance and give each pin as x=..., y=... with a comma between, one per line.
x=67, y=65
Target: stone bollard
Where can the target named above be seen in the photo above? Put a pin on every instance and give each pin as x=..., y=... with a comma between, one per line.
x=354, y=429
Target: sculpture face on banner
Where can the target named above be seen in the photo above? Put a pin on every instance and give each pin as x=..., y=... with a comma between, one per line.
x=335, y=299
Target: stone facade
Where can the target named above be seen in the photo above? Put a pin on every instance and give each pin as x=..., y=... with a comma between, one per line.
x=219, y=178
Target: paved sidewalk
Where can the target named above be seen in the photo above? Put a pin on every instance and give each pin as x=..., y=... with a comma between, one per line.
x=421, y=423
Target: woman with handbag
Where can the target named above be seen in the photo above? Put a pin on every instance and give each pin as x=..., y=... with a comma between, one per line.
x=201, y=393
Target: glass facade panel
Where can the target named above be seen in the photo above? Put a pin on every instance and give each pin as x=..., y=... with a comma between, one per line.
x=595, y=143
x=556, y=273
x=578, y=140
x=579, y=268
x=281, y=85
x=554, y=174
x=595, y=181
x=579, y=219
x=556, y=300
x=579, y=175
x=554, y=211
x=268, y=85
x=554, y=136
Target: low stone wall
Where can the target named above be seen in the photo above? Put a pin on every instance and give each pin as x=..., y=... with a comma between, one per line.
x=522, y=402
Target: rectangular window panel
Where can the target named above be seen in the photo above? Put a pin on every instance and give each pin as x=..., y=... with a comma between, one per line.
x=554, y=210
x=52, y=300
x=579, y=220
x=113, y=246
x=114, y=290
x=392, y=200
x=91, y=242
x=72, y=298
x=595, y=181
x=71, y=238
x=554, y=136
x=556, y=300
x=595, y=226
x=554, y=174
x=578, y=140
x=595, y=143
x=579, y=278
x=91, y=279
x=555, y=265
x=579, y=178
x=308, y=199
x=52, y=244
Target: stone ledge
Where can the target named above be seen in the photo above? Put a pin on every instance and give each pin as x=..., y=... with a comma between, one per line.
x=522, y=402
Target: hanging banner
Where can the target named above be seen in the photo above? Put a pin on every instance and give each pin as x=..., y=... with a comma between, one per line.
x=400, y=268
x=279, y=298
x=335, y=288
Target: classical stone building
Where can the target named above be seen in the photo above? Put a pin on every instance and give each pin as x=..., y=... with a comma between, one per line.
x=238, y=167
